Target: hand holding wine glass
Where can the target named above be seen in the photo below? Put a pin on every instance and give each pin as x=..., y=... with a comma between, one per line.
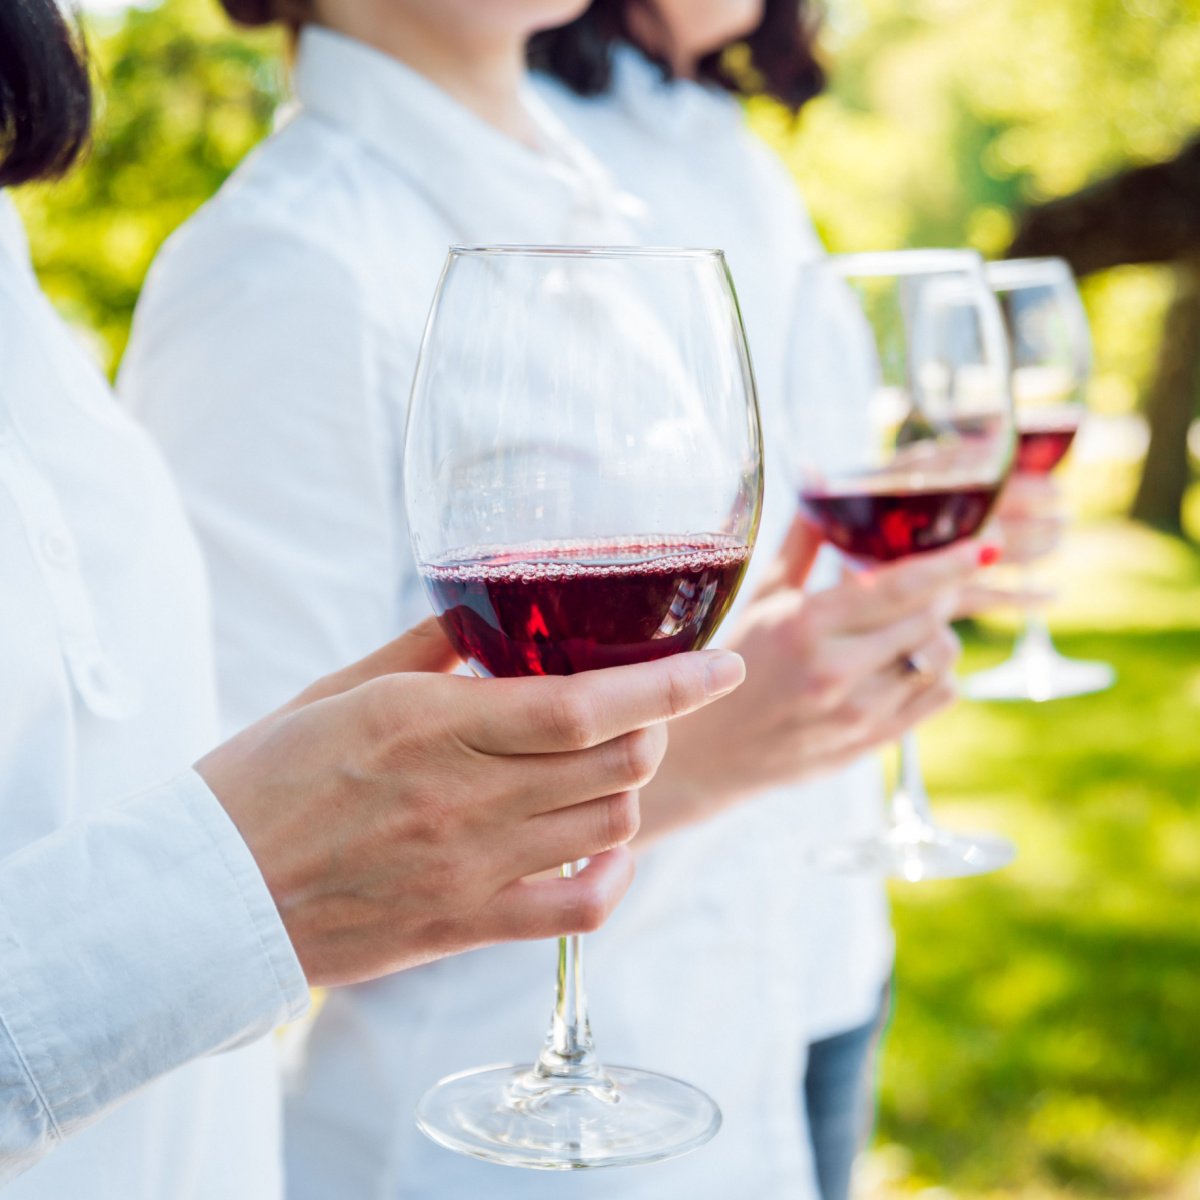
x=1027, y=524
x=395, y=810
x=823, y=687
x=903, y=436
x=583, y=482
x=1030, y=518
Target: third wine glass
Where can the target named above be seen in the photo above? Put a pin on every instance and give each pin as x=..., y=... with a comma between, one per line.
x=1051, y=361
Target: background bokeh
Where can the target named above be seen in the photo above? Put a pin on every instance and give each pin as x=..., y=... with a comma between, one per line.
x=1044, y=1039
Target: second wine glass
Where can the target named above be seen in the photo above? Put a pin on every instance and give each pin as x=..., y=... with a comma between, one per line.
x=583, y=477
x=903, y=436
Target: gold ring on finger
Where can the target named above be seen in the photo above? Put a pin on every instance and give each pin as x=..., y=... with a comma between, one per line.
x=916, y=664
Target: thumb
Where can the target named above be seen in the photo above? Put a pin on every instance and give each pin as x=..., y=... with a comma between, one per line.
x=423, y=648
x=794, y=560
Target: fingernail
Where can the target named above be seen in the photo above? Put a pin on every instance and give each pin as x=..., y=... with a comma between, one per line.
x=989, y=554
x=723, y=672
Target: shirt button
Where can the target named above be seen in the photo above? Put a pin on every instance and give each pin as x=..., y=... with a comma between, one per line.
x=56, y=548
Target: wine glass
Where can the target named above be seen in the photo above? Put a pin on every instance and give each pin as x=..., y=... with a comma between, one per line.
x=583, y=477
x=902, y=433
x=1051, y=361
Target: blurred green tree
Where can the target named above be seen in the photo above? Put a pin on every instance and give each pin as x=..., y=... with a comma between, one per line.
x=1143, y=214
x=948, y=119
x=183, y=97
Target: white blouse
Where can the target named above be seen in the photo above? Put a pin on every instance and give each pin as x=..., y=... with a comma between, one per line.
x=686, y=153
x=137, y=936
x=272, y=356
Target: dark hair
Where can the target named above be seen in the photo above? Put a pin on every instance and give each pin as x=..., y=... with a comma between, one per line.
x=45, y=91
x=782, y=63
x=292, y=13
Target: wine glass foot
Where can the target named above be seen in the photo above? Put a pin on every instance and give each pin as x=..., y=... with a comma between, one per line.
x=513, y=1116
x=1046, y=676
x=920, y=851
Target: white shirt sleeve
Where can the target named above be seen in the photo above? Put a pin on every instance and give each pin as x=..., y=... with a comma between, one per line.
x=256, y=365
x=130, y=943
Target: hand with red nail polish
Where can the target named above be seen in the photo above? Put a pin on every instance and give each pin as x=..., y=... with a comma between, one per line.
x=1027, y=525
x=827, y=679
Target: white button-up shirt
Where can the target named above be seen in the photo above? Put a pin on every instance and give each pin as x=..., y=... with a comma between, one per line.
x=686, y=153
x=273, y=351
x=272, y=357
x=136, y=934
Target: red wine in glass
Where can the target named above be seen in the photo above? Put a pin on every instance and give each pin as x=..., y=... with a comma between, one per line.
x=1043, y=439
x=575, y=606
x=882, y=522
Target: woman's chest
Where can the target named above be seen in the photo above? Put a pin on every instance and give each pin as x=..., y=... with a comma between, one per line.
x=104, y=617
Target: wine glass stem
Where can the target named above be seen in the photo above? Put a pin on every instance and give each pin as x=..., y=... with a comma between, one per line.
x=569, y=1051
x=910, y=800
x=1034, y=638
x=1036, y=635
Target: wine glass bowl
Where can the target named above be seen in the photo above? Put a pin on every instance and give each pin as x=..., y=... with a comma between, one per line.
x=583, y=482
x=1051, y=361
x=902, y=436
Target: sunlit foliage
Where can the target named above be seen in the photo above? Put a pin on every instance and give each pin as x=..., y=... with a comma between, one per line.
x=946, y=116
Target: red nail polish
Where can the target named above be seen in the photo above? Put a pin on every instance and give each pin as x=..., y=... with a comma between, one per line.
x=989, y=553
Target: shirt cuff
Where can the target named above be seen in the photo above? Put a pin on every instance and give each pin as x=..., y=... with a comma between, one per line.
x=243, y=870
x=131, y=942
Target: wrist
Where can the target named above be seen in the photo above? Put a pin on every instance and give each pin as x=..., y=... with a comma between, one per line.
x=683, y=794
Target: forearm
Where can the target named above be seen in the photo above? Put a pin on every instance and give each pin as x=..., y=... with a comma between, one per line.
x=713, y=764
x=689, y=787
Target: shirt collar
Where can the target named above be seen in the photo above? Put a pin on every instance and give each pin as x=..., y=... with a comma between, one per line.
x=557, y=192
x=13, y=244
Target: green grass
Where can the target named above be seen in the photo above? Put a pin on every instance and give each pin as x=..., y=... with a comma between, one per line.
x=1046, y=1035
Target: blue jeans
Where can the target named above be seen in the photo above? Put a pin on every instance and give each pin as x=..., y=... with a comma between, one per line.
x=839, y=1096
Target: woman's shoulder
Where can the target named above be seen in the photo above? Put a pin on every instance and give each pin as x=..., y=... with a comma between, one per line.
x=12, y=232
x=304, y=208
x=680, y=141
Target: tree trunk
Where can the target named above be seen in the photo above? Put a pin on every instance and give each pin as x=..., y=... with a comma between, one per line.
x=1148, y=214
x=1171, y=405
